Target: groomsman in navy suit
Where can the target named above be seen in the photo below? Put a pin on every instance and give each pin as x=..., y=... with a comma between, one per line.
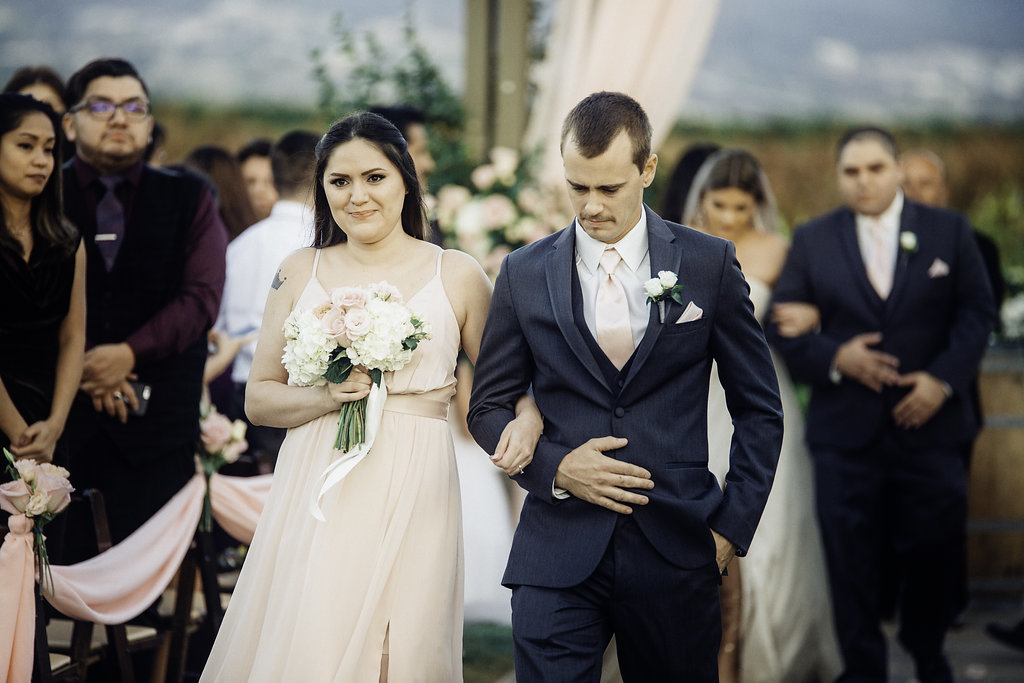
x=906, y=311
x=624, y=530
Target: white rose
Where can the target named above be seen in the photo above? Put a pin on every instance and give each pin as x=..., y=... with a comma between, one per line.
x=238, y=428
x=668, y=278
x=26, y=469
x=37, y=504
x=654, y=287
x=908, y=241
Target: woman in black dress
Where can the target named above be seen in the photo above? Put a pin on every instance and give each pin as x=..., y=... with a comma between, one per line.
x=42, y=280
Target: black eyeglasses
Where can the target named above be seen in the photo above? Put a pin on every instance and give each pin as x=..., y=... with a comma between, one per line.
x=134, y=109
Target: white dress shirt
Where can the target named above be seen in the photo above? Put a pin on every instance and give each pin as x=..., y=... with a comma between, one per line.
x=633, y=271
x=252, y=260
x=890, y=222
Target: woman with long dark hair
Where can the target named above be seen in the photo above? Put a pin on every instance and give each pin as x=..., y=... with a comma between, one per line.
x=223, y=171
x=374, y=591
x=42, y=277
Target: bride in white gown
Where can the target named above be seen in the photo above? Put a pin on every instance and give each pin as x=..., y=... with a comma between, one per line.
x=781, y=629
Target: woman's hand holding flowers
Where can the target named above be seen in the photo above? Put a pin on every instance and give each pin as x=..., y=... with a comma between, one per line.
x=355, y=387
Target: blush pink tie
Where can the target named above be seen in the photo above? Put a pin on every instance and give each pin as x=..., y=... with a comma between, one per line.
x=614, y=335
x=881, y=261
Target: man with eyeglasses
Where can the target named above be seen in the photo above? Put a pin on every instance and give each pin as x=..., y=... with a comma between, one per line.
x=155, y=251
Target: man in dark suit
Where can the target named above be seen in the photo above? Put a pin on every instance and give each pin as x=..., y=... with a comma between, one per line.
x=155, y=250
x=624, y=530
x=906, y=311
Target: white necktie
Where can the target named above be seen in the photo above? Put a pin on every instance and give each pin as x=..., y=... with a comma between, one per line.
x=614, y=335
x=880, y=262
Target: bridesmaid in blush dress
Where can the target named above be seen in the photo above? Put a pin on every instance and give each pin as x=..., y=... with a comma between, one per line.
x=375, y=592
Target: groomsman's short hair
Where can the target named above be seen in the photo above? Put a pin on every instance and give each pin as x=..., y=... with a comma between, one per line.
x=868, y=132
x=598, y=118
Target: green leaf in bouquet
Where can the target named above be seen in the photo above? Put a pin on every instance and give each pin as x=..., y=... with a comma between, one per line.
x=338, y=367
x=411, y=343
x=377, y=376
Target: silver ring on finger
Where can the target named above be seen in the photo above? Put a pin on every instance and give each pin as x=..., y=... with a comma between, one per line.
x=520, y=469
x=118, y=396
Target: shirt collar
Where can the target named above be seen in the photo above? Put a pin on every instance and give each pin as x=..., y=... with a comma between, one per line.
x=890, y=218
x=632, y=247
x=88, y=174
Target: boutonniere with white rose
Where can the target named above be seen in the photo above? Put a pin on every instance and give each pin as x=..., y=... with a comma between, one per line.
x=908, y=242
x=663, y=287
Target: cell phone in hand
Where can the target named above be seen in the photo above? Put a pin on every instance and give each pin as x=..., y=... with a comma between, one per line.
x=142, y=394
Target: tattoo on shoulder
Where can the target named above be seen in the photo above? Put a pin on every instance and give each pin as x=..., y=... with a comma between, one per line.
x=278, y=280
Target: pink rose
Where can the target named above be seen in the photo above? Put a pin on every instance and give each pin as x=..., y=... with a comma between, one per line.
x=497, y=211
x=357, y=323
x=56, y=491
x=345, y=297
x=215, y=432
x=321, y=310
x=14, y=496
x=484, y=177
x=333, y=323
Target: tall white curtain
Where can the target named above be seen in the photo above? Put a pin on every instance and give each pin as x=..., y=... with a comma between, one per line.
x=649, y=49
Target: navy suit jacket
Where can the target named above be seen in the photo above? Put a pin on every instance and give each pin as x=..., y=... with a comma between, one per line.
x=933, y=321
x=532, y=340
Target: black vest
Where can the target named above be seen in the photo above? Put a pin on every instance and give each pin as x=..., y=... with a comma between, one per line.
x=145, y=277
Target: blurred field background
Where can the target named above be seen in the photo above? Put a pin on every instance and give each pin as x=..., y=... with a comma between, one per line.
x=985, y=162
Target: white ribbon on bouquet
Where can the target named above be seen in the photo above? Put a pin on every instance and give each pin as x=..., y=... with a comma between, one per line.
x=347, y=461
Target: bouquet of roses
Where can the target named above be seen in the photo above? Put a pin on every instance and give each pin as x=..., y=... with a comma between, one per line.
x=40, y=491
x=368, y=327
x=221, y=441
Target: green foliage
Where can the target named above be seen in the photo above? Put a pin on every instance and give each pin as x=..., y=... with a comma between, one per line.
x=376, y=76
x=486, y=652
x=338, y=367
x=1000, y=215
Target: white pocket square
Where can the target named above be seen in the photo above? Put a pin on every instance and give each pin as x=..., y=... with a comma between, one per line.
x=693, y=312
x=938, y=268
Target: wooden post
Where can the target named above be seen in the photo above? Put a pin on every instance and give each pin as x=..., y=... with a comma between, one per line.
x=513, y=63
x=478, y=76
x=497, y=65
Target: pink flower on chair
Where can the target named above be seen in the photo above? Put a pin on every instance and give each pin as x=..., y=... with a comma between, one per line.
x=14, y=496
x=215, y=432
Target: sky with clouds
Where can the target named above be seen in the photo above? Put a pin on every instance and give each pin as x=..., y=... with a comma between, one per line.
x=871, y=58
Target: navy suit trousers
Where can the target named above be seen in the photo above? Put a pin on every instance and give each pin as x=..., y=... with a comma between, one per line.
x=888, y=505
x=666, y=620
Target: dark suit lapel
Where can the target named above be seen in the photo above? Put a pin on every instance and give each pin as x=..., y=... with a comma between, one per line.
x=903, y=259
x=665, y=255
x=855, y=259
x=561, y=260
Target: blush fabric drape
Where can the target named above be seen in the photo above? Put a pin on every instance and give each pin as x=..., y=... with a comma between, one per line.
x=649, y=50
x=116, y=585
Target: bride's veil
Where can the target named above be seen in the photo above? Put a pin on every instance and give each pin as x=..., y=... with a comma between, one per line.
x=739, y=169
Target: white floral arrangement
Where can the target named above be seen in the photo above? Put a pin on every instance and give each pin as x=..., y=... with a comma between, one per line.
x=504, y=209
x=1012, y=316
x=369, y=327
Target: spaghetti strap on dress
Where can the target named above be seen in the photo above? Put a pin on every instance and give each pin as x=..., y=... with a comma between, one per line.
x=323, y=601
